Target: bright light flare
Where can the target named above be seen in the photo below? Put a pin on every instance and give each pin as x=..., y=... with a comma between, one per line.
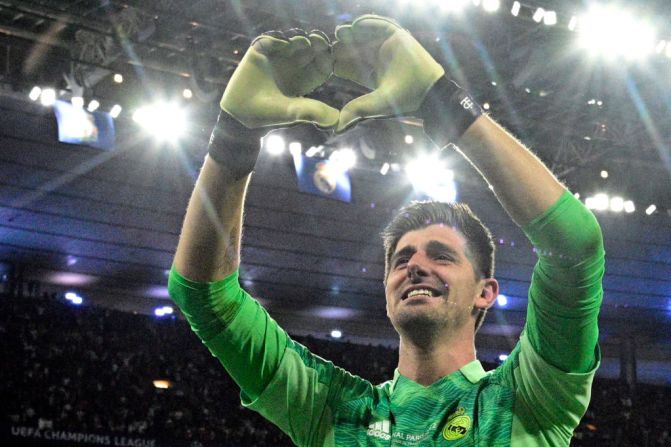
x=77, y=101
x=48, y=97
x=491, y=5
x=162, y=384
x=611, y=32
x=538, y=15
x=275, y=144
x=429, y=176
x=651, y=209
x=454, y=6
x=616, y=204
x=118, y=78
x=344, y=159
x=35, y=93
x=502, y=300
x=115, y=111
x=93, y=105
x=335, y=333
x=163, y=311
x=515, y=10
x=74, y=298
x=550, y=18
x=295, y=148
x=629, y=206
x=165, y=121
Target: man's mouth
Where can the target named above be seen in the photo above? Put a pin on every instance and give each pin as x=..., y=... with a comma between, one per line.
x=422, y=292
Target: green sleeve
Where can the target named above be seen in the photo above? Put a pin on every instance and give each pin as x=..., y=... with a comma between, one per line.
x=566, y=290
x=280, y=378
x=234, y=327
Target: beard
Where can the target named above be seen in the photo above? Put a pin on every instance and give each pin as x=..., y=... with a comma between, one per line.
x=425, y=326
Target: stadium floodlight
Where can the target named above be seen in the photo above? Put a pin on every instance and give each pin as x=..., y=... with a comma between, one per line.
x=629, y=206
x=550, y=18
x=651, y=209
x=429, y=175
x=610, y=31
x=274, y=144
x=344, y=159
x=573, y=23
x=502, y=300
x=454, y=5
x=598, y=202
x=515, y=10
x=115, y=111
x=163, y=311
x=74, y=298
x=165, y=121
x=616, y=204
x=48, y=97
x=93, y=105
x=385, y=168
x=162, y=384
x=538, y=15
x=35, y=93
x=77, y=101
x=491, y=5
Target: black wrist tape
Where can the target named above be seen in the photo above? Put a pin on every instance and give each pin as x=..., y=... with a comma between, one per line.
x=234, y=145
x=447, y=111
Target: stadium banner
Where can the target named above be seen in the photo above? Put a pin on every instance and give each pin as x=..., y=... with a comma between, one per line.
x=322, y=178
x=24, y=436
x=78, y=126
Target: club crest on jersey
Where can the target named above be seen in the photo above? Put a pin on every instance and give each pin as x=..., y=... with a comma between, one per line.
x=458, y=424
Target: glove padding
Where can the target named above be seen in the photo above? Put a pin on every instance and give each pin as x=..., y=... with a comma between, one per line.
x=267, y=87
x=377, y=53
x=265, y=92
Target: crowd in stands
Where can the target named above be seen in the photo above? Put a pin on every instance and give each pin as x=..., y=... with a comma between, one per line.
x=86, y=369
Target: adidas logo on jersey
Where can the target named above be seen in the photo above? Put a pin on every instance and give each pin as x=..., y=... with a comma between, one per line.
x=380, y=430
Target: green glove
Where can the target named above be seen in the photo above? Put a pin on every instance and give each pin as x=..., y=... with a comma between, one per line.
x=265, y=93
x=406, y=80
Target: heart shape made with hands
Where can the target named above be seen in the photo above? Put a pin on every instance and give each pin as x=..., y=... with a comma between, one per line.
x=372, y=51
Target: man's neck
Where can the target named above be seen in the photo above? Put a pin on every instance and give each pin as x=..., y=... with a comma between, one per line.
x=427, y=362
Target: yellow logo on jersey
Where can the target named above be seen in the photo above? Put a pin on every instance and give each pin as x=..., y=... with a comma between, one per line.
x=458, y=424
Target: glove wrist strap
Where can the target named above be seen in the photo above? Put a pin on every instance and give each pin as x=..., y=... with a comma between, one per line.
x=447, y=111
x=234, y=145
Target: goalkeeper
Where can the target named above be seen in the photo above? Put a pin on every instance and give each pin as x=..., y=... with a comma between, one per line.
x=439, y=276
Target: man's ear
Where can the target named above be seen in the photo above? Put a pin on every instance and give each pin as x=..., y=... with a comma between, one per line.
x=489, y=290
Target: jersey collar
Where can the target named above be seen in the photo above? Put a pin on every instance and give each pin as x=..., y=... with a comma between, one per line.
x=472, y=371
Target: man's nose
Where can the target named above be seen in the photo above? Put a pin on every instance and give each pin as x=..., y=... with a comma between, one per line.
x=416, y=269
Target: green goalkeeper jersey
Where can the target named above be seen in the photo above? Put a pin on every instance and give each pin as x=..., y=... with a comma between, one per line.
x=535, y=398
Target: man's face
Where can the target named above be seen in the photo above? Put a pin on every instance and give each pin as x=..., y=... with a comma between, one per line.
x=432, y=285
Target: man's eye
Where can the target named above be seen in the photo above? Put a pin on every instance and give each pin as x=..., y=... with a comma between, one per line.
x=400, y=261
x=443, y=258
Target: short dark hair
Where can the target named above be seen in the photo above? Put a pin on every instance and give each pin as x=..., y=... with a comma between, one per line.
x=420, y=214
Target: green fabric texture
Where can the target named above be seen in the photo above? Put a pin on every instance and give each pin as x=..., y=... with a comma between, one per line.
x=566, y=290
x=234, y=327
